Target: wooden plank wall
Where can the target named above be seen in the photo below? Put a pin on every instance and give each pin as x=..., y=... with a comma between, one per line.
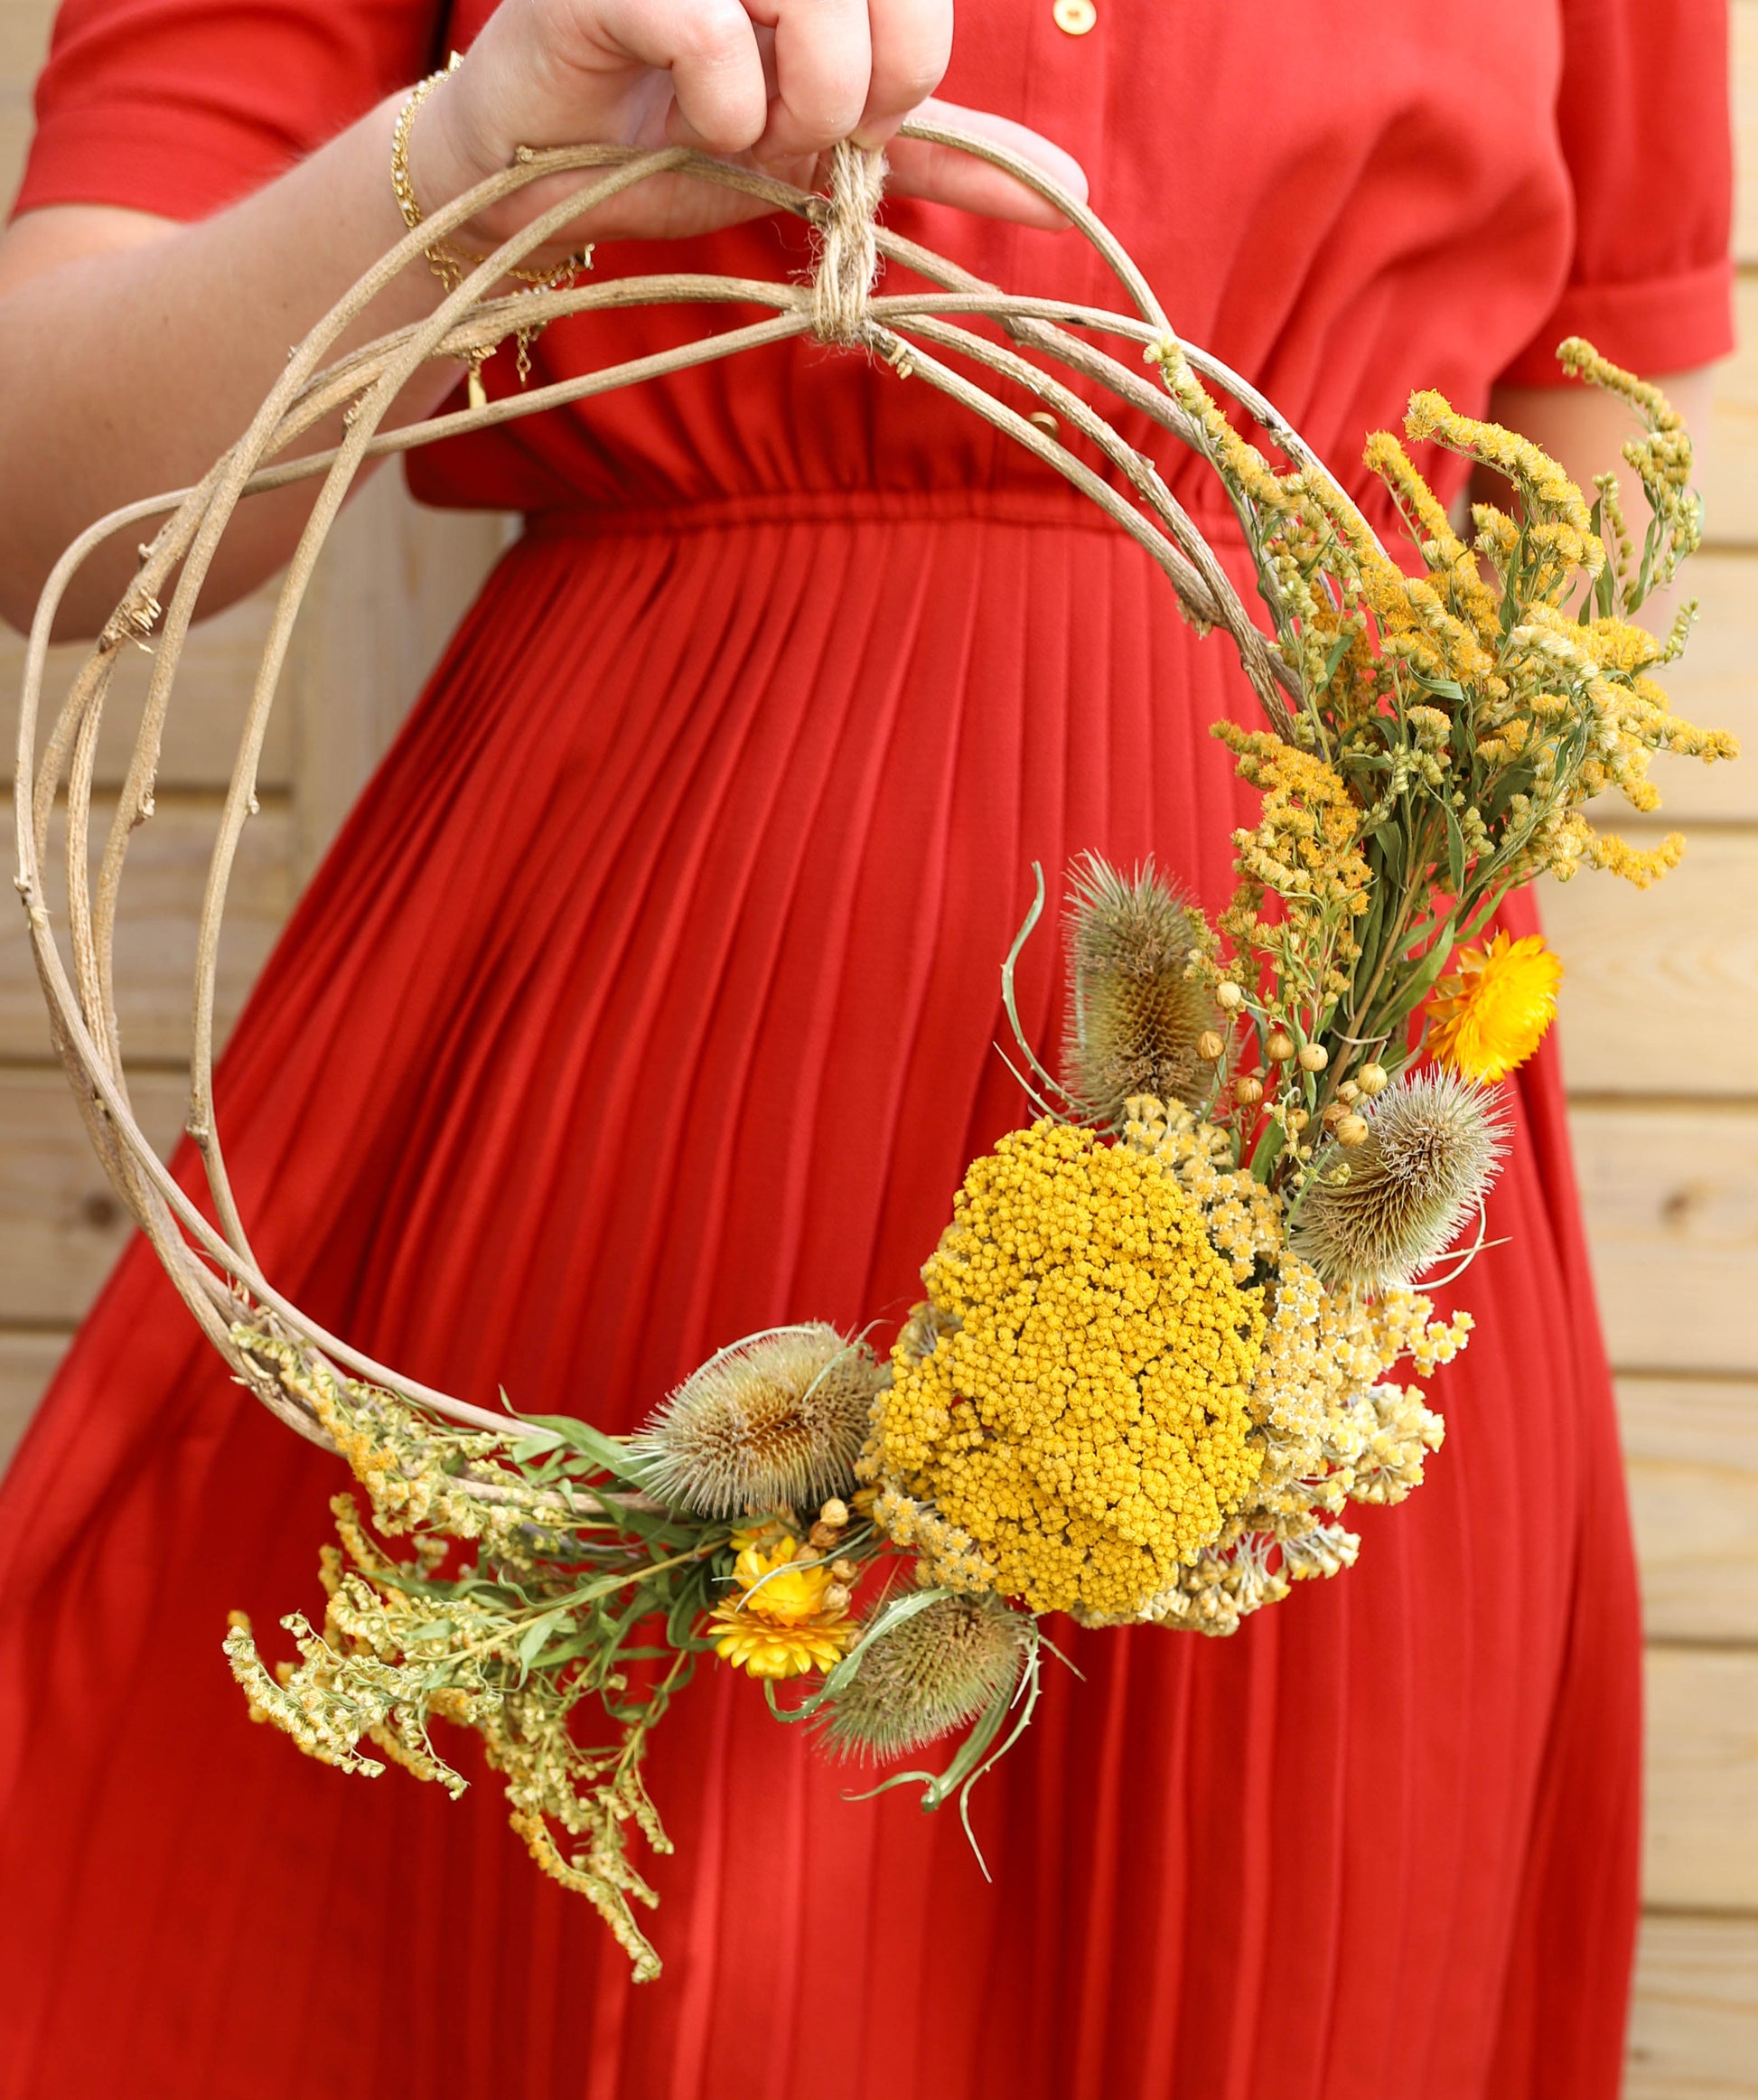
x=1661, y=1022
x=1660, y=1028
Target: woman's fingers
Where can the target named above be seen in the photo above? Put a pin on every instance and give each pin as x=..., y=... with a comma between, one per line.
x=947, y=176
x=912, y=44
x=774, y=83
x=834, y=69
x=710, y=49
x=823, y=63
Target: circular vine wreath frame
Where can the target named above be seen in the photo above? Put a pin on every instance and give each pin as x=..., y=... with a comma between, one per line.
x=214, y=1267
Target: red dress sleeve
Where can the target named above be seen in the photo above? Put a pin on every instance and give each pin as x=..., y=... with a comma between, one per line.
x=1643, y=126
x=178, y=107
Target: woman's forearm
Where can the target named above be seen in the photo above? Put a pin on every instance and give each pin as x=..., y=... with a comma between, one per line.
x=138, y=351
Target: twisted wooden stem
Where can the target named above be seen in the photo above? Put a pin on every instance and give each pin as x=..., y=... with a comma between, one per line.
x=928, y=335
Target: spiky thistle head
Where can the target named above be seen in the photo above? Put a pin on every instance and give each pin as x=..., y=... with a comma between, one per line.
x=931, y=1672
x=1134, y=1012
x=1379, y=1212
x=773, y=1423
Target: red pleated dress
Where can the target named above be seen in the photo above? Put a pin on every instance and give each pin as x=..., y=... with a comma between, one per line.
x=649, y=997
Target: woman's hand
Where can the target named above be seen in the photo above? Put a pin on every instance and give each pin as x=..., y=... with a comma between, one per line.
x=771, y=83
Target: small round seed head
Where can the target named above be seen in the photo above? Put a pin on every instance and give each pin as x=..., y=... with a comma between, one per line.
x=1372, y=1079
x=1427, y=1151
x=933, y=1672
x=1247, y=1091
x=1280, y=1046
x=1211, y=1047
x=1313, y=1057
x=1135, y=1016
x=772, y=1423
x=1228, y=997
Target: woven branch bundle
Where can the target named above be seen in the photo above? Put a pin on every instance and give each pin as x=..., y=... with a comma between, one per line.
x=907, y=336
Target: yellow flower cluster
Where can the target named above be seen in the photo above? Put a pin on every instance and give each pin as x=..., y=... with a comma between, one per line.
x=1332, y=1431
x=1556, y=506
x=1081, y=1417
x=784, y=1621
x=1244, y=1218
x=1306, y=849
x=1661, y=457
x=417, y=1469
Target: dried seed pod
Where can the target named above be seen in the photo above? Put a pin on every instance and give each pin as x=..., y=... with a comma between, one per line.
x=1348, y=1091
x=1247, y=1092
x=1211, y=1047
x=1373, y=1079
x=1136, y=1014
x=1313, y=1057
x=835, y=1514
x=933, y=1672
x=1280, y=1046
x=770, y=1424
x=1424, y=1159
x=1298, y=1120
x=1229, y=997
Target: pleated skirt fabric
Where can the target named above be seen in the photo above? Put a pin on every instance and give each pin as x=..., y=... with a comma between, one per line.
x=648, y=999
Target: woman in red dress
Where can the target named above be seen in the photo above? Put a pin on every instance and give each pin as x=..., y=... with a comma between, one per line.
x=647, y=999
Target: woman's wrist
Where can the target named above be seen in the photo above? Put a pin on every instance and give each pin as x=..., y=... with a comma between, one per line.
x=444, y=154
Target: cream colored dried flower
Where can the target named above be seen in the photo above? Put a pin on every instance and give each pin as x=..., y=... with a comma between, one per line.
x=1136, y=1017
x=931, y=1674
x=1380, y=1211
x=773, y=1423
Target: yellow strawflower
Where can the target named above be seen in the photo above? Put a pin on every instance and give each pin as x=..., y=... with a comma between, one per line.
x=1070, y=1423
x=784, y=1621
x=1491, y=1015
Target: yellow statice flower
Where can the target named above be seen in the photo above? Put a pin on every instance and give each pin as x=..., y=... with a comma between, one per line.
x=1073, y=1413
x=784, y=1621
x=1491, y=1014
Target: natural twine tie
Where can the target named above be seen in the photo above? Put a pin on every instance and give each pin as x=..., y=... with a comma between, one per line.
x=848, y=257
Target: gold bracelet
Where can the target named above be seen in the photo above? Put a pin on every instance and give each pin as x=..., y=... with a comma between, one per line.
x=453, y=265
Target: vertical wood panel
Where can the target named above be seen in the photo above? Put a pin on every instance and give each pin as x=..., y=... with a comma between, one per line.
x=1692, y=1448
x=1694, y=2027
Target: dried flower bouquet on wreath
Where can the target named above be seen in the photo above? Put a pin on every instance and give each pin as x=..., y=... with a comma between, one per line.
x=1160, y=1348
x=1157, y=1360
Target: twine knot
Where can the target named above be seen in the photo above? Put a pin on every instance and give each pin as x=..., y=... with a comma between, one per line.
x=848, y=257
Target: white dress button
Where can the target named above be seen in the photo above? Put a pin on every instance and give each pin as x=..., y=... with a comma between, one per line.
x=1074, y=17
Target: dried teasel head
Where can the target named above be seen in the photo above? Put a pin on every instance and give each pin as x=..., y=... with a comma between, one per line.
x=1136, y=1018
x=929, y=1673
x=1383, y=1205
x=773, y=1423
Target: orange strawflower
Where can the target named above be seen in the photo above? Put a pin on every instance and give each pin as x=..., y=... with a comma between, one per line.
x=783, y=1622
x=1491, y=1014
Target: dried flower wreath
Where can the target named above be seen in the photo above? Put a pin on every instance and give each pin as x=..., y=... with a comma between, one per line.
x=1154, y=1362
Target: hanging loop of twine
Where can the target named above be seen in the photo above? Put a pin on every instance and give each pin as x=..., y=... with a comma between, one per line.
x=848, y=255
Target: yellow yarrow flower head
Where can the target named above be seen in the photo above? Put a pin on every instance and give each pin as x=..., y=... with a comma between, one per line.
x=1491, y=1014
x=1075, y=1410
x=783, y=1622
